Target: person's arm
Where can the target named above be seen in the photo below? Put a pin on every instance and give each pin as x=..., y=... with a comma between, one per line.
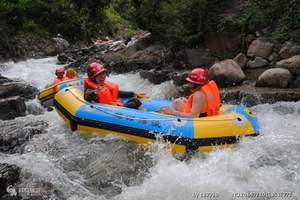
x=126, y=94
x=198, y=107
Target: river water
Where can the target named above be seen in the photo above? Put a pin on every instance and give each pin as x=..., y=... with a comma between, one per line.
x=91, y=167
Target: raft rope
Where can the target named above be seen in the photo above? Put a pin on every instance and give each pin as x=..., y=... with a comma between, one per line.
x=171, y=118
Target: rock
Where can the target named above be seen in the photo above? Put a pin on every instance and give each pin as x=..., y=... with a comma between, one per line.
x=226, y=72
x=61, y=43
x=191, y=58
x=9, y=176
x=12, y=107
x=156, y=77
x=260, y=48
x=223, y=42
x=11, y=88
x=292, y=64
x=179, y=77
x=257, y=62
x=139, y=41
x=275, y=77
x=13, y=134
x=241, y=60
x=4, y=79
x=289, y=49
x=250, y=96
x=295, y=83
x=249, y=38
x=273, y=57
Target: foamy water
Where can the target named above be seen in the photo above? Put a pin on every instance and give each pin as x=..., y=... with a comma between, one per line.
x=85, y=167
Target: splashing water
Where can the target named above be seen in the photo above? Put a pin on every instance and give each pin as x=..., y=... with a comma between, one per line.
x=89, y=167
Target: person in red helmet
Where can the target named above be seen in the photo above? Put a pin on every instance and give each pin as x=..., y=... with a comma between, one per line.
x=204, y=99
x=60, y=75
x=96, y=88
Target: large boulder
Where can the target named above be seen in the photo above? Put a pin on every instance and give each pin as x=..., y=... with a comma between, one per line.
x=179, y=78
x=257, y=62
x=12, y=107
x=289, y=49
x=241, y=60
x=9, y=176
x=226, y=72
x=12, y=97
x=273, y=57
x=260, y=48
x=10, y=88
x=155, y=76
x=190, y=58
x=295, y=83
x=14, y=133
x=275, y=77
x=250, y=96
x=56, y=46
x=292, y=64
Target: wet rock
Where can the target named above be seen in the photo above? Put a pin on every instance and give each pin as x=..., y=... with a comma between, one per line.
x=292, y=64
x=226, y=72
x=241, y=60
x=179, y=77
x=12, y=107
x=191, y=58
x=13, y=134
x=250, y=96
x=260, y=48
x=26, y=45
x=61, y=43
x=11, y=88
x=138, y=42
x=4, y=79
x=9, y=176
x=257, y=62
x=289, y=49
x=156, y=77
x=273, y=57
x=295, y=83
x=275, y=77
x=147, y=58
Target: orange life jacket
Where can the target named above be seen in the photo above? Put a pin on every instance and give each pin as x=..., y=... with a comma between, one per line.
x=107, y=94
x=58, y=80
x=212, y=96
x=89, y=84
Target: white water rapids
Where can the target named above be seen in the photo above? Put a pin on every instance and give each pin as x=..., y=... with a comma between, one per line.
x=84, y=167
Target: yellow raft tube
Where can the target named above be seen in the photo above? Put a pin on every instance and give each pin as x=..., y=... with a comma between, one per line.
x=146, y=126
x=46, y=95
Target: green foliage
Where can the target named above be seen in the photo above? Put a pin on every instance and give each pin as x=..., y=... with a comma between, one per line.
x=74, y=19
x=173, y=22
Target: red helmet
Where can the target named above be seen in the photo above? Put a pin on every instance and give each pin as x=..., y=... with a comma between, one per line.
x=94, y=69
x=198, y=76
x=59, y=70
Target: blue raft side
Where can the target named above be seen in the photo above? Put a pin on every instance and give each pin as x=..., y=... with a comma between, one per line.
x=252, y=119
x=138, y=119
x=153, y=104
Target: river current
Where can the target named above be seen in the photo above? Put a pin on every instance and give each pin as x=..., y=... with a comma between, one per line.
x=92, y=167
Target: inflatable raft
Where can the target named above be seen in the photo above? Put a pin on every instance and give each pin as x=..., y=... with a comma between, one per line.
x=144, y=126
x=46, y=95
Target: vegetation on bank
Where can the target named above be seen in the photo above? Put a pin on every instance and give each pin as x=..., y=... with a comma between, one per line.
x=176, y=23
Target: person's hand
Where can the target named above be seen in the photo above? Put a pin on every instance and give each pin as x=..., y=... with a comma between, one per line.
x=141, y=95
x=166, y=110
